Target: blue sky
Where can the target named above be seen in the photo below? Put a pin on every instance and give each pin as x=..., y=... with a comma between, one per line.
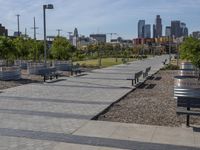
x=97, y=16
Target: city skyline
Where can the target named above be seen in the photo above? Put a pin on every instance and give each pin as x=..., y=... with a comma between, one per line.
x=97, y=16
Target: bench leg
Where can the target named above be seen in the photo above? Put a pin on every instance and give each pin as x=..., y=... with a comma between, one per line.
x=132, y=83
x=188, y=118
x=44, y=78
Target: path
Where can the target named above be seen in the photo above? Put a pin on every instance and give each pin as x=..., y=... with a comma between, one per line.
x=62, y=107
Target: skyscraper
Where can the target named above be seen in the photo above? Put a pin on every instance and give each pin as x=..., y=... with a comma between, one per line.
x=141, y=25
x=147, y=31
x=154, y=31
x=176, y=28
x=168, y=31
x=184, y=30
x=158, y=26
x=76, y=32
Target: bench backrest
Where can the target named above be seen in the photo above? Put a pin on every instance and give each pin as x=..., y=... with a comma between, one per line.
x=46, y=71
x=183, y=102
x=138, y=74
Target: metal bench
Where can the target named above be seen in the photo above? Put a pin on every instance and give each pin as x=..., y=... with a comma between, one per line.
x=69, y=67
x=184, y=105
x=146, y=73
x=136, y=78
x=164, y=62
x=76, y=69
x=49, y=73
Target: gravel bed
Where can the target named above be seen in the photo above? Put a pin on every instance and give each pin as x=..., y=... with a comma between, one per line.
x=151, y=104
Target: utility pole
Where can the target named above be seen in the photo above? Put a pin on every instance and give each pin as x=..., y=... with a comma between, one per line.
x=59, y=30
x=18, y=24
x=34, y=28
x=35, y=38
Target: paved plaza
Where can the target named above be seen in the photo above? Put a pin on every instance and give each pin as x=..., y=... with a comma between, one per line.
x=49, y=116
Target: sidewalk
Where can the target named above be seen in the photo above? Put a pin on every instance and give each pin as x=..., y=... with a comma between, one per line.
x=110, y=135
x=40, y=116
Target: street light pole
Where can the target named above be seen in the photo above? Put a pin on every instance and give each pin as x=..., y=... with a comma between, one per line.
x=49, y=6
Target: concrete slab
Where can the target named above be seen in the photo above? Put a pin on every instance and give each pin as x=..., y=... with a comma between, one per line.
x=98, y=129
x=175, y=136
x=134, y=132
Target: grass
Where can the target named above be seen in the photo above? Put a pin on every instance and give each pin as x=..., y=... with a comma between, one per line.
x=106, y=62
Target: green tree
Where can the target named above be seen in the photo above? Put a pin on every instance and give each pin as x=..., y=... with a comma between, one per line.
x=190, y=50
x=23, y=47
x=7, y=49
x=61, y=49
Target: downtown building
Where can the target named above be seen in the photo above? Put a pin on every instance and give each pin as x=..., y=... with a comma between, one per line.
x=178, y=29
x=144, y=30
x=141, y=24
x=157, y=27
x=3, y=31
x=100, y=38
x=196, y=34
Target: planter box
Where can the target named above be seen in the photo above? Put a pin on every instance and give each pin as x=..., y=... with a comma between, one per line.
x=186, y=86
x=33, y=68
x=10, y=73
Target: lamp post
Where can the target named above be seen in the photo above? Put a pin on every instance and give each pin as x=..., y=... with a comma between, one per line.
x=49, y=6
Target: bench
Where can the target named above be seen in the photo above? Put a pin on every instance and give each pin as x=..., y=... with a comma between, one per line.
x=69, y=67
x=49, y=73
x=184, y=105
x=146, y=73
x=76, y=69
x=164, y=62
x=136, y=78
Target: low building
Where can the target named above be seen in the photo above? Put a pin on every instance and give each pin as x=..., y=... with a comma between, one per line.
x=196, y=34
x=101, y=38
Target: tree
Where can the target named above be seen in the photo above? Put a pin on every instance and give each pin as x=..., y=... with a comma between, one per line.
x=23, y=47
x=7, y=49
x=61, y=49
x=190, y=50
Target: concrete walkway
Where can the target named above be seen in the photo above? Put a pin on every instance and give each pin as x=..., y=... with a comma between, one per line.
x=39, y=116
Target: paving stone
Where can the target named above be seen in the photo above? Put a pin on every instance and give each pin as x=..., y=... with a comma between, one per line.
x=64, y=106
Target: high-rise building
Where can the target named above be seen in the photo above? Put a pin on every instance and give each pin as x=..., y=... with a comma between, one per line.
x=76, y=32
x=147, y=31
x=154, y=31
x=141, y=24
x=176, y=28
x=3, y=31
x=158, y=26
x=184, y=30
x=168, y=31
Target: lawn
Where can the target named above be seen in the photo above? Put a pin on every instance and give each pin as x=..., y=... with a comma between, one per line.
x=106, y=62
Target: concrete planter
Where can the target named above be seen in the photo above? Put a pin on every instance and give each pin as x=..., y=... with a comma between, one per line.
x=10, y=73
